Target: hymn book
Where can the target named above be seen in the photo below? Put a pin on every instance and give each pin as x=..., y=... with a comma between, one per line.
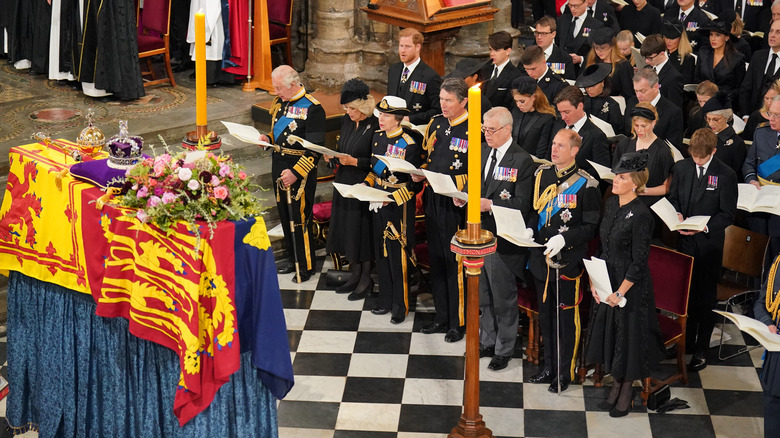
x=246, y=133
x=398, y=165
x=603, y=171
x=664, y=209
x=754, y=328
x=443, y=185
x=362, y=192
x=599, y=277
x=766, y=200
x=511, y=226
x=314, y=147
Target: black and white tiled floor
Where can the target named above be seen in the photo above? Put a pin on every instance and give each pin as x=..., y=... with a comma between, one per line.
x=357, y=375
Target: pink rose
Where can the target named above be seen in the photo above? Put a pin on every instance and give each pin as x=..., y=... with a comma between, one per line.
x=242, y=175
x=214, y=180
x=224, y=169
x=168, y=197
x=142, y=216
x=185, y=174
x=142, y=192
x=154, y=201
x=193, y=184
x=159, y=168
x=221, y=192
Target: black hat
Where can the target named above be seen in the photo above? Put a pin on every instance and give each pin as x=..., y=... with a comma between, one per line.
x=631, y=162
x=644, y=113
x=720, y=101
x=593, y=75
x=602, y=35
x=467, y=67
x=354, y=89
x=672, y=28
x=392, y=105
x=721, y=25
x=525, y=85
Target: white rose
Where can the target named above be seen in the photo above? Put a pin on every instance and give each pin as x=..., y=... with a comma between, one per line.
x=185, y=174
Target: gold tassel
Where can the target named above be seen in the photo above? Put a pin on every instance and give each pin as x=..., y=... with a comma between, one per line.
x=58, y=178
x=103, y=200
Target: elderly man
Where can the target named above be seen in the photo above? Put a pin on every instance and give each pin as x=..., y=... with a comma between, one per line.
x=413, y=80
x=670, y=120
x=294, y=112
x=507, y=181
x=446, y=142
x=568, y=202
x=764, y=68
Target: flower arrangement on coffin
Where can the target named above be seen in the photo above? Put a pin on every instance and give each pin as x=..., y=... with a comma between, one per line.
x=189, y=186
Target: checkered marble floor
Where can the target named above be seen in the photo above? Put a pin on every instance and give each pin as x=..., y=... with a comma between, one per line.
x=357, y=375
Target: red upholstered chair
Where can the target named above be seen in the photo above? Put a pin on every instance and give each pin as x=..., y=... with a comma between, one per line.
x=526, y=301
x=671, y=272
x=153, y=30
x=321, y=219
x=280, y=25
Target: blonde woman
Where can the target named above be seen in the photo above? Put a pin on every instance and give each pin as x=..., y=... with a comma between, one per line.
x=761, y=115
x=679, y=48
x=604, y=49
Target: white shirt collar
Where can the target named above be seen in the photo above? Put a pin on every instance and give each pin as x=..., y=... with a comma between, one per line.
x=499, y=155
x=688, y=11
x=412, y=66
x=578, y=124
x=661, y=65
x=543, y=74
x=655, y=101
x=705, y=166
x=548, y=52
x=501, y=67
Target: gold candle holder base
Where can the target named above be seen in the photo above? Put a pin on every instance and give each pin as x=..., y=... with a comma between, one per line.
x=201, y=138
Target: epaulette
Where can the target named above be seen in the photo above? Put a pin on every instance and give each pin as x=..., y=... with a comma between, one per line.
x=312, y=99
x=542, y=167
x=408, y=138
x=762, y=125
x=592, y=182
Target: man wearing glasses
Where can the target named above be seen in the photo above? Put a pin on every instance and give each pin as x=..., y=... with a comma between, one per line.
x=671, y=80
x=557, y=60
x=574, y=28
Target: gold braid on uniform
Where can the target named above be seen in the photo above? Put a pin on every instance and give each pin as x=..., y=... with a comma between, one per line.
x=772, y=297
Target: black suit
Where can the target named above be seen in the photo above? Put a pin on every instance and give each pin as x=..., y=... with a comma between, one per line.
x=672, y=82
x=579, y=44
x=605, y=14
x=751, y=14
x=693, y=22
x=727, y=75
x=606, y=109
x=595, y=146
x=551, y=84
x=498, y=90
x=424, y=104
x=497, y=286
x=559, y=57
x=713, y=195
x=670, y=120
x=754, y=86
x=531, y=131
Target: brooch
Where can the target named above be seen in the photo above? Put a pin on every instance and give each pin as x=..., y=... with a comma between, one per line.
x=729, y=142
x=293, y=126
x=505, y=195
x=566, y=215
x=605, y=108
x=630, y=213
x=563, y=229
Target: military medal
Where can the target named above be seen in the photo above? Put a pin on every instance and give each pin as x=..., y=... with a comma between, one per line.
x=459, y=145
x=563, y=229
x=392, y=179
x=449, y=129
x=457, y=164
x=293, y=126
x=566, y=215
x=692, y=26
x=417, y=106
x=586, y=31
x=505, y=195
x=712, y=182
x=417, y=87
x=505, y=174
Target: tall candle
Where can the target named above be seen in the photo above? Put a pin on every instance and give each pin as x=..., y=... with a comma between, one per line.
x=475, y=154
x=200, y=69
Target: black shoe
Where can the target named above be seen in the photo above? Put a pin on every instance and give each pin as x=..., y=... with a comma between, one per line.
x=397, y=319
x=453, y=335
x=349, y=285
x=561, y=381
x=499, y=362
x=434, y=327
x=380, y=311
x=616, y=413
x=305, y=276
x=360, y=294
x=285, y=268
x=698, y=362
x=543, y=377
x=606, y=406
x=487, y=352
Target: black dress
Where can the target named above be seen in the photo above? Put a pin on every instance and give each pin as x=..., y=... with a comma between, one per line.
x=648, y=21
x=727, y=75
x=349, y=233
x=753, y=122
x=627, y=341
x=659, y=164
x=620, y=81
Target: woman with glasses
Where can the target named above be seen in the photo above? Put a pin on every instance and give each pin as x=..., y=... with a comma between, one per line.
x=533, y=116
x=350, y=230
x=761, y=116
x=604, y=50
x=721, y=63
x=731, y=148
x=660, y=160
x=639, y=16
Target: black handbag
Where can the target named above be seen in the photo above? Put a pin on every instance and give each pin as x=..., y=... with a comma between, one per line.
x=335, y=278
x=659, y=397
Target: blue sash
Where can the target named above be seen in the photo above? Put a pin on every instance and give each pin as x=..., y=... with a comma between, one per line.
x=769, y=167
x=380, y=166
x=544, y=217
x=283, y=121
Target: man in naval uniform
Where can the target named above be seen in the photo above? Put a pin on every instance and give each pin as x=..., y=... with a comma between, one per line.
x=413, y=80
x=767, y=311
x=507, y=181
x=761, y=168
x=294, y=112
x=535, y=66
x=446, y=142
x=568, y=202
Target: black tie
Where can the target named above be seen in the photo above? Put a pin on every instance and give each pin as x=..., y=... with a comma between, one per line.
x=683, y=16
x=574, y=26
x=495, y=72
x=570, y=127
x=770, y=70
x=592, y=12
x=491, y=166
x=701, y=172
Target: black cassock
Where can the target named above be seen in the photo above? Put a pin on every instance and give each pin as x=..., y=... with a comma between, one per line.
x=27, y=22
x=626, y=340
x=350, y=228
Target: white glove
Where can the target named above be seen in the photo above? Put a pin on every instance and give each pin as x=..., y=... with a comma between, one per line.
x=528, y=234
x=554, y=245
x=375, y=206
